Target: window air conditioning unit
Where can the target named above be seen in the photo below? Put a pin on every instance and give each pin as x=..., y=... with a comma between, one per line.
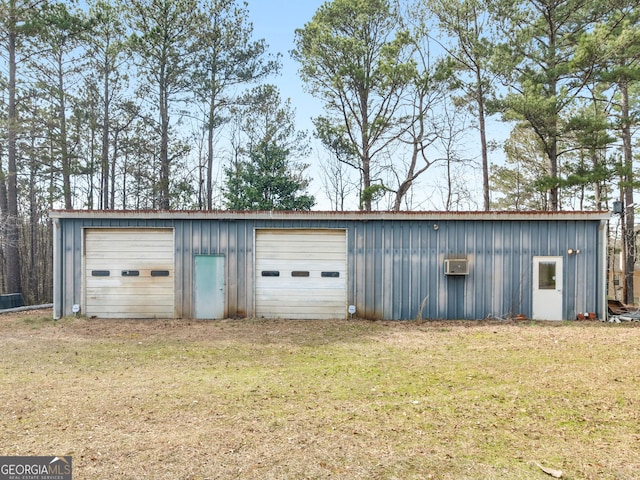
x=456, y=266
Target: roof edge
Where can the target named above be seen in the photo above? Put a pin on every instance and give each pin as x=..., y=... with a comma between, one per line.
x=329, y=215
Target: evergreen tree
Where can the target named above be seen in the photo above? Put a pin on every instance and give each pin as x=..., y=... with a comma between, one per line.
x=537, y=63
x=267, y=181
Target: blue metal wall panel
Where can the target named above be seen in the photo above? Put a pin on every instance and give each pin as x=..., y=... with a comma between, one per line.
x=395, y=268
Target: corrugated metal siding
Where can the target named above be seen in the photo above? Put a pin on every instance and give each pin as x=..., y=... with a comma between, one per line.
x=234, y=240
x=393, y=264
x=398, y=264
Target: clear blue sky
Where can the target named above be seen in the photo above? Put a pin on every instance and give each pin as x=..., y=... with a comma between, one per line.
x=275, y=21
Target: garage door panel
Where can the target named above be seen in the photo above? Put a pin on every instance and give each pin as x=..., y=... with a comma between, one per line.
x=102, y=290
x=314, y=272
x=115, y=268
x=112, y=302
x=306, y=314
x=106, y=235
x=130, y=311
x=149, y=253
x=307, y=253
x=302, y=246
x=311, y=251
x=309, y=296
x=128, y=251
x=291, y=287
x=142, y=281
x=282, y=258
x=125, y=258
x=319, y=311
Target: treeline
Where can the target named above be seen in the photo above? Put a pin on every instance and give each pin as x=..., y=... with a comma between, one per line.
x=166, y=104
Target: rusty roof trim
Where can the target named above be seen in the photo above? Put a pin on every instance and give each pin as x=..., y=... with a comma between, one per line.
x=330, y=215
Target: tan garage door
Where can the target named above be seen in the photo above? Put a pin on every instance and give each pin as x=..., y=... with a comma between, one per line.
x=129, y=273
x=301, y=273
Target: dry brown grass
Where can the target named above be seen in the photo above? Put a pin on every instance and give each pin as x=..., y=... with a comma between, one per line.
x=322, y=399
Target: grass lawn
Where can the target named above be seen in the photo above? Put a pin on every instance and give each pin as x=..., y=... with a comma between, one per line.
x=256, y=399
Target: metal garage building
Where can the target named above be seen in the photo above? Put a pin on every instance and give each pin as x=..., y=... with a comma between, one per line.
x=438, y=265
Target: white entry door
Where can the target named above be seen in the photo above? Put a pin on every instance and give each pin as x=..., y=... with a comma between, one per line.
x=547, y=288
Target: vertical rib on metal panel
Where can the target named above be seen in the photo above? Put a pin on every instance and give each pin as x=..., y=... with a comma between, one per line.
x=240, y=269
x=375, y=278
x=411, y=268
x=182, y=268
x=371, y=259
x=582, y=276
x=453, y=295
x=248, y=266
x=432, y=250
x=387, y=272
x=407, y=298
x=601, y=248
x=357, y=274
x=244, y=266
x=351, y=265
x=511, y=254
x=572, y=284
x=182, y=238
x=429, y=275
x=58, y=258
x=73, y=267
x=480, y=265
x=525, y=265
x=186, y=239
x=369, y=274
x=395, y=274
x=237, y=270
x=227, y=246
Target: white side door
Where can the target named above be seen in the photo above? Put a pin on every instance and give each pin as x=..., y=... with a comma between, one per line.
x=208, y=286
x=547, y=288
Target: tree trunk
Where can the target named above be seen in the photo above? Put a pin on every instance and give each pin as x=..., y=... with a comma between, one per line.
x=210, y=128
x=163, y=202
x=628, y=216
x=33, y=272
x=112, y=166
x=14, y=280
x=553, y=173
x=597, y=185
x=105, y=140
x=366, y=184
x=552, y=133
x=552, y=152
x=483, y=143
x=64, y=149
x=3, y=220
x=209, y=186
